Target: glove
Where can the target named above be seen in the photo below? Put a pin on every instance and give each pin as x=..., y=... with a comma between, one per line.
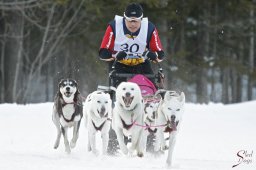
x=150, y=55
x=121, y=55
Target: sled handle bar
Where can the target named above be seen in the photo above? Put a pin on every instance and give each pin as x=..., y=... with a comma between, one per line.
x=129, y=57
x=127, y=75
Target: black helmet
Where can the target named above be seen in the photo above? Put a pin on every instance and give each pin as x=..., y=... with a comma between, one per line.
x=133, y=10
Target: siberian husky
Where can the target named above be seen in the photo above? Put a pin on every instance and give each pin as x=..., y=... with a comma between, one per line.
x=67, y=112
x=169, y=116
x=149, y=126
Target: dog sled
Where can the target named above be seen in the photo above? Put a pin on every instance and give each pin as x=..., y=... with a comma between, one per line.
x=149, y=85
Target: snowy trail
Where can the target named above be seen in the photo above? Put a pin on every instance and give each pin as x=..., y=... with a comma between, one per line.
x=210, y=137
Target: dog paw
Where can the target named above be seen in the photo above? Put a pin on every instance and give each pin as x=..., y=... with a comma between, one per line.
x=56, y=146
x=130, y=153
x=165, y=147
x=72, y=144
x=96, y=152
x=158, y=153
x=130, y=150
x=168, y=165
x=140, y=154
x=105, y=151
x=156, y=149
x=124, y=150
x=68, y=151
x=89, y=149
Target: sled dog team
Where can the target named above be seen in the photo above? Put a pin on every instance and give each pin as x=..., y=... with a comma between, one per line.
x=131, y=116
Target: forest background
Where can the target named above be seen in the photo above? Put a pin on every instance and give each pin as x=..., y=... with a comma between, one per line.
x=209, y=46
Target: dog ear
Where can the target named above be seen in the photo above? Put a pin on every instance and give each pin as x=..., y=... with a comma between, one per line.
x=58, y=93
x=182, y=98
x=76, y=84
x=160, y=92
x=171, y=94
x=77, y=91
x=146, y=105
x=60, y=82
x=109, y=98
x=168, y=95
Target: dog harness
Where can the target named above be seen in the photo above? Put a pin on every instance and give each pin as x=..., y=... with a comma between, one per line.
x=76, y=113
x=148, y=126
x=170, y=126
x=149, y=129
x=101, y=126
x=127, y=127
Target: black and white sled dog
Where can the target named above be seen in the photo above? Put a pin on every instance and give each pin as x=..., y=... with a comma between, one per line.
x=169, y=113
x=149, y=126
x=150, y=116
x=67, y=112
x=129, y=108
x=98, y=113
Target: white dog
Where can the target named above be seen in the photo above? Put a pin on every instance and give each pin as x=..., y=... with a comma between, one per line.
x=129, y=108
x=169, y=113
x=98, y=113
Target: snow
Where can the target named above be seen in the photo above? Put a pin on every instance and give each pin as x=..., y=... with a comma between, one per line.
x=209, y=139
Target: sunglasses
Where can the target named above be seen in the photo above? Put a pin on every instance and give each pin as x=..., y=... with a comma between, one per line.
x=133, y=19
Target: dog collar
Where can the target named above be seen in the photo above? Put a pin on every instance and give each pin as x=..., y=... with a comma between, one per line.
x=64, y=104
x=127, y=127
x=150, y=130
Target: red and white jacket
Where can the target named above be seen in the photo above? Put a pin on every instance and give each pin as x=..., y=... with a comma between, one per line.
x=153, y=42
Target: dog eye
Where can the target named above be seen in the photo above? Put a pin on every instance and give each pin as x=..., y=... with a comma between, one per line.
x=169, y=108
x=132, y=88
x=151, y=106
x=106, y=102
x=98, y=101
x=124, y=88
x=178, y=110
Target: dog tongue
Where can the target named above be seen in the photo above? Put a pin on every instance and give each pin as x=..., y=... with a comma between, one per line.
x=67, y=94
x=127, y=101
x=173, y=125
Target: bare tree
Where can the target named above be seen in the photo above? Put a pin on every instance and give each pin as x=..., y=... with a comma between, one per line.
x=53, y=22
x=203, y=53
x=251, y=53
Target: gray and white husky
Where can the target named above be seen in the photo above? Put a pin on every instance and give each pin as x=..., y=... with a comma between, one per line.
x=67, y=112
